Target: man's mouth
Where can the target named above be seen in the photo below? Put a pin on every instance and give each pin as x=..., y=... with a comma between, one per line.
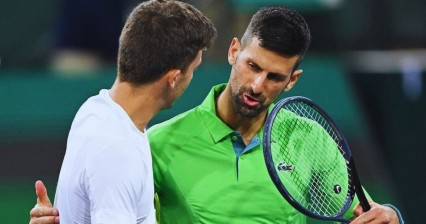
x=250, y=101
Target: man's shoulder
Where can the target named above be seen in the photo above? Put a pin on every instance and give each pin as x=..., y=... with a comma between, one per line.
x=181, y=121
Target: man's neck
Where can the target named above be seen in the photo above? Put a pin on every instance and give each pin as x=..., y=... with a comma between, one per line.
x=140, y=103
x=248, y=127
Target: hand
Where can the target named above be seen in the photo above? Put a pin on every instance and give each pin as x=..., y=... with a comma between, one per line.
x=43, y=212
x=377, y=214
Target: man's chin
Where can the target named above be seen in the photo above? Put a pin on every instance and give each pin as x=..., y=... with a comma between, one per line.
x=250, y=112
x=168, y=106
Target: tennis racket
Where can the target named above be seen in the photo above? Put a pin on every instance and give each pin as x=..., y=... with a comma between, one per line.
x=309, y=160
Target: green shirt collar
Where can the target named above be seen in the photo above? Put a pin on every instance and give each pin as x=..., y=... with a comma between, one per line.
x=216, y=127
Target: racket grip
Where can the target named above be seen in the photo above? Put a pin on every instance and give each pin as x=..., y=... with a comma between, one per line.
x=363, y=201
x=365, y=205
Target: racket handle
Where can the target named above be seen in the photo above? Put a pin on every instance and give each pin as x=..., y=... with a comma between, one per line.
x=363, y=201
x=365, y=205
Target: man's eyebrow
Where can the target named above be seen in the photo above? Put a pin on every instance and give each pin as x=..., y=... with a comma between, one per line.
x=271, y=73
x=250, y=60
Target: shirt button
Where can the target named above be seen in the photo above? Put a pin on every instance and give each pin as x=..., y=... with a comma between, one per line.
x=234, y=138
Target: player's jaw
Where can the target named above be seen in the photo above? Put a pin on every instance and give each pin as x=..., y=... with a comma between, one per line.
x=183, y=80
x=248, y=104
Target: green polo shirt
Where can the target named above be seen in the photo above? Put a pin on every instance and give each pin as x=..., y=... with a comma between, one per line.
x=200, y=178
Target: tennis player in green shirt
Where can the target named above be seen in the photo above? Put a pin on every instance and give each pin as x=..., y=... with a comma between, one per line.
x=208, y=161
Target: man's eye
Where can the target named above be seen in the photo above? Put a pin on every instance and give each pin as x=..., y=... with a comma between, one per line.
x=275, y=77
x=253, y=67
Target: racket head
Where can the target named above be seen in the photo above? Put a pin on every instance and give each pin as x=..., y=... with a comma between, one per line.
x=297, y=134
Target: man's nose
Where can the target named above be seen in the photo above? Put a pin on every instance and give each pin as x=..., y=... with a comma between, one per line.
x=258, y=83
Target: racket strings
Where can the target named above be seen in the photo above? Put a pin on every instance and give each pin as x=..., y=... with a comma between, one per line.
x=308, y=165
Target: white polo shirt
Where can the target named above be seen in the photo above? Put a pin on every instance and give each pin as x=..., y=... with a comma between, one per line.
x=106, y=175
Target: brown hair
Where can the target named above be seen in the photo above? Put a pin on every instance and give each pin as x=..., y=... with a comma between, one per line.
x=160, y=35
x=281, y=30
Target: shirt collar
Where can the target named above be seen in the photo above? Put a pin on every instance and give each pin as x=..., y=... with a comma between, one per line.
x=216, y=127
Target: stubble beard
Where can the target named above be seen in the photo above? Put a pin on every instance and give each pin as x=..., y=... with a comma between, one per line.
x=243, y=109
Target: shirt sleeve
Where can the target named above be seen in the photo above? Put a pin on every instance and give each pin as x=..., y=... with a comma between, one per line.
x=398, y=213
x=158, y=143
x=114, y=184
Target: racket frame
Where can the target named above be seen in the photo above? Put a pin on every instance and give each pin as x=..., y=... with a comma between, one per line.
x=356, y=187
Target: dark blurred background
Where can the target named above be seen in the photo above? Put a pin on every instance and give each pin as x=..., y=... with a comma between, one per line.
x=366, y=67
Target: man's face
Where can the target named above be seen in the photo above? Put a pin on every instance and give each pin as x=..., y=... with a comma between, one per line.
x=184, y=79
x=258, y=77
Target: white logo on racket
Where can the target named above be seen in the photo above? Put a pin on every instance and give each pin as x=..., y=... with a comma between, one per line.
x=283, y=166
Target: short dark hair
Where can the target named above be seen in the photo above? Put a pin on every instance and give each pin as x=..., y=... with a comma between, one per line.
x=279, y=29
x=160, y=35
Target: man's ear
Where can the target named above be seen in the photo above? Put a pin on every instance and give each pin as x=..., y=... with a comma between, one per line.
x=172, y=76
x=293, y=79
x=233, y=50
